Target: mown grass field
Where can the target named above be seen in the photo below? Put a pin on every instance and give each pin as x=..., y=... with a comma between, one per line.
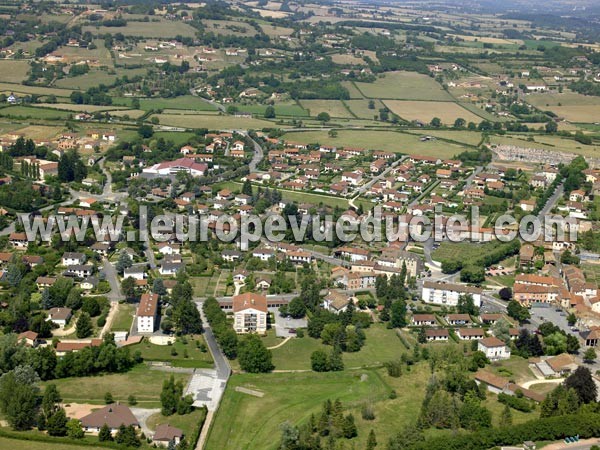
x=381, y=345
x=424, y=111
x=8, y=88
x=34, y=113
x=379, y=140
x=143, y=383
x=463, y=136
x=462, y=251
x=124, y=318
x=404, y=86
x=360, y=108
x=212, y=122
x=162, y=29
x=17, y=444
x=335, y=108
x=352, y=89
x=13, y=71
x=91, y=79
x=184, y=102
x=281, y=109
x=195, y=357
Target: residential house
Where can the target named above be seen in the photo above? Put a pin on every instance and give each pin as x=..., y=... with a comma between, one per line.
x=458, y=319
x=60, y=316
x=420, y=320
x=336, y=301
x=437, y=334
x=113, y=415
x=494, y=349
x=136, y=271
x=468, y=334
x=73, y=259
x=29, y=338
x=166, y=435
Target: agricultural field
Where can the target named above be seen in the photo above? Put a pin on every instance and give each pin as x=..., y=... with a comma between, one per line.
x=404, y=86
x=162, y=29
x=335, y=108
x=83, y=82
x=229, y=27
x=379, y=140
x=347, y=59
x=360, y=108
x=26, y=112
x=448, y=112
x=463, y=136
x=185, y=102
x=79, y=108
x=281, y=109
x=352, y=89
x=13, y=71
x=8, y=88
x=212, y=122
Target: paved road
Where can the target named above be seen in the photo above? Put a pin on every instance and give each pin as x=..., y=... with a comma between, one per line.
x=258, y=153
x=221, y=364
x=364, y=188
x=111, y=276
x=552, y=200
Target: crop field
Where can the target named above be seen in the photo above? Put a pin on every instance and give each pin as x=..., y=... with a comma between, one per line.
x=13, y=71
x=379, y=140
x=347, y=59
x=335, y=108
x=448, y=112
x=212, y=122
x=131, y=113
x=578, y=113
x=40, y=131
x=567, y=98
x=184, y=102
x=352, y=89
x=275, y=31
x=281, y=109
x=162, y=29
x=404, y=86
x=78, y=108
x=360, y=108
x=7, y=88
x=229, y=27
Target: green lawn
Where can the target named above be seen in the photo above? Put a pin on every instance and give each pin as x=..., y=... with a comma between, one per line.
x=17, y=444
x=381, y=345
x=195, y=357
x=516, y=369
x=463, y=251
x=188, y=422
x=124, y=318
x=145, y=384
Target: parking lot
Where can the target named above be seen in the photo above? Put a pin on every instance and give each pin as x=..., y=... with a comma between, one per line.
x=541, y=313
x=283, y=325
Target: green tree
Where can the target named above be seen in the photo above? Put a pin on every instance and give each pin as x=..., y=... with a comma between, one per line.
x=319, y=361
x=323, y=117
x=127, y=436
x=590, y=355
x=582, y=382
x=297, y=308
x=145, y=131
x=460, y=123
x=349, y=429
x=371, y=440
x=105, y=435
x=518, y=312
x=123, y=262
x=74, y=430
x=398, y=314
x=18, y=397
x=506, y=417
x=253, y=356
x=269, y=112
x=108, y=398
x=57, y=423
x=84, y=326
x=436, y=122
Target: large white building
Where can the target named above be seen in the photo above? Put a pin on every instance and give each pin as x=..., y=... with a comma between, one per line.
x=448, y=293
x=187, y=165
x=250, y=313
x=147, y=313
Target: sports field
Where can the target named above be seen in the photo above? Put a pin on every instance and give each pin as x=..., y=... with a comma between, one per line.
x=448, y=112
x=404, y=86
